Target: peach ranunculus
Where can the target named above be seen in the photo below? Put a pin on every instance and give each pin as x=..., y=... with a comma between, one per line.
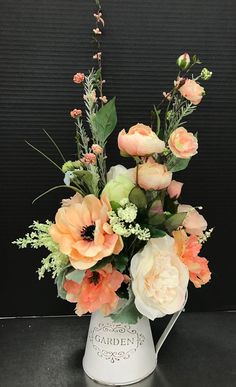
x=83, y=233
x=188, y=249
x=152, y=175
x=160, y=278
x=182, y=143
x=194, y=223
x=192, y=91
x=174, y=189
x=97, y=291
x=139, y=141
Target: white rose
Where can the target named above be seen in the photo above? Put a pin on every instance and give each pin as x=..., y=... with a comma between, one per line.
x=118, y=170
x=159, y=278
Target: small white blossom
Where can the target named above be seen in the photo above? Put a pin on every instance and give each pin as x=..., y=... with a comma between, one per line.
x=124, y=201
x=121, y=230
x=205, y=235
x=128, y=214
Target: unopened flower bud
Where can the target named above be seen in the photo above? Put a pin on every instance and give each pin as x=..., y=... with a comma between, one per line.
x=205, y=74
x=183, y=61
x=71, y=165
x=97, y=149
x=89, y=158
x=78, y=78
x=103, y=99
x=97, y=31
x=75, y=113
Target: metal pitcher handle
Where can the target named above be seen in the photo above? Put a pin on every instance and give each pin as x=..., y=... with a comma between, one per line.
x=170, y=326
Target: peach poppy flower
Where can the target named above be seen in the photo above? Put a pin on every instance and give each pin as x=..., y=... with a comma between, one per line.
x=83, y=233
x=96, y=291
x=188, y=249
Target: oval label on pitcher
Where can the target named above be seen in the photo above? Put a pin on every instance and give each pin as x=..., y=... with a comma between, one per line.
x=115, y=342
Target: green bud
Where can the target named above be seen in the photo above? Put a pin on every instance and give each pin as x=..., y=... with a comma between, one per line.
x=183, y=61
x=71, y=166
x=205, y=74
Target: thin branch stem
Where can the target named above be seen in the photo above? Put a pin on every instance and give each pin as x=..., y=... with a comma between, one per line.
x=52, y=189
x=44, y=155
x=55, y=144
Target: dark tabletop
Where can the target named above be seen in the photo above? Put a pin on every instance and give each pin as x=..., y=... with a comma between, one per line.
x=47, y=352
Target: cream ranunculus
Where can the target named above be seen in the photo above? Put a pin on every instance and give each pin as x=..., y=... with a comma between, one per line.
x=119, y=169
x=120, y=183
x=159, y=278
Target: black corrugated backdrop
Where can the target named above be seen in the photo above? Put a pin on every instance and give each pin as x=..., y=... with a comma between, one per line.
x=43, y=43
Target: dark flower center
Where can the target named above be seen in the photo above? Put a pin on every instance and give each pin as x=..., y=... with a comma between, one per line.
x=87, y=232
x=95, y=277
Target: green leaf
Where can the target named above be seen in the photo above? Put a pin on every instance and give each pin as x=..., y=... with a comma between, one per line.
x=105, y=120
x=60, y=282
x=89, y=179
x=114, y=205
x=156, y=233
x=76, y=276
x=103, y=262
x=138, y=197
x=157, y=112
x=128, y=313
x=175, y=221
x=120, y=261
x=97, y=75
x=156, y=219
x=176, y=164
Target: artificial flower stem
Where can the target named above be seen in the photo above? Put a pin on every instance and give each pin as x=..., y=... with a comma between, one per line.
x=53, y=188
x=44, y=155
x=55, y=144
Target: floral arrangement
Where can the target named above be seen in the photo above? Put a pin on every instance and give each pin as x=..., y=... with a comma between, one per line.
x=123, y=244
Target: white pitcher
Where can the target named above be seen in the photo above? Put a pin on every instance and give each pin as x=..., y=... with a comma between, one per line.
x=121, y=354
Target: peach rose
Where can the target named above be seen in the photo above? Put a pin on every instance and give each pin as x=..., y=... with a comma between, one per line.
x=174, y=189
x=159, y=278
x=192, y=91
x=182, y=143
x=194, y=223
x=83, y=233
x=139, y=141
x=188, y=249
x=152, y=175
x=97, y=291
